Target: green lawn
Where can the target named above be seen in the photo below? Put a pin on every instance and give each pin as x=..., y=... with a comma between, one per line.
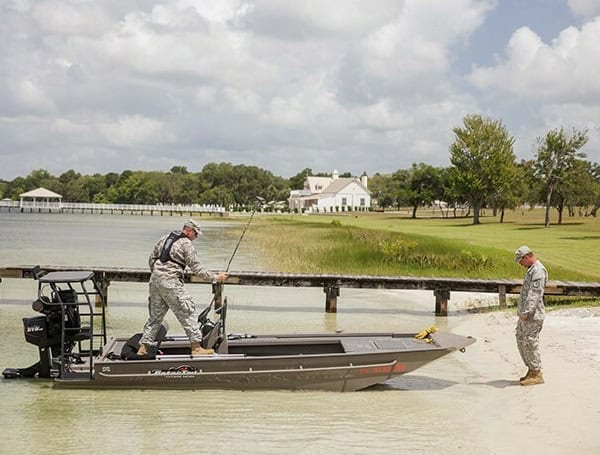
x=394, y=244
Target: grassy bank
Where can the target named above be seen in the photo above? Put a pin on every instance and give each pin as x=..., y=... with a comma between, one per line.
x=393, y=244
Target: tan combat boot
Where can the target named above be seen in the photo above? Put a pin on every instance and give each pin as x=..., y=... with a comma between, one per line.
x=526, y=376
x=142, y=350
x=197, y=349
x=535, y=378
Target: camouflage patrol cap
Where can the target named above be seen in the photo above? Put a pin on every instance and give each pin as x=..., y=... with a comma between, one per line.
x=521, y=252
x=193, y=225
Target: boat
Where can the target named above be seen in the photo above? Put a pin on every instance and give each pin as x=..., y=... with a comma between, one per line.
x=75, y=351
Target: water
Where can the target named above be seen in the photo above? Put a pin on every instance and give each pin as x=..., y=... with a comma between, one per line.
x=415, y=413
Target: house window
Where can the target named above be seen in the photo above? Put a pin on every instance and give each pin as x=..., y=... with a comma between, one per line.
x=362, y=202
x=344, y=201
x=318, y=187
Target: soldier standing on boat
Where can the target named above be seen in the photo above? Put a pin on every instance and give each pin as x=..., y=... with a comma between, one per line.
x=168, y=260
x=531, y=314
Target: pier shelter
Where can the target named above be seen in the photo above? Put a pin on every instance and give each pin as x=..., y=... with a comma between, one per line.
x=40, y=198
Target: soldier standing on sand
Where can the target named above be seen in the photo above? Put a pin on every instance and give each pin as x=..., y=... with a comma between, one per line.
x=531, y=314
x=168, y=260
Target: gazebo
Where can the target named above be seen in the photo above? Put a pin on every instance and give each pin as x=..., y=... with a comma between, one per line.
x=40, y=198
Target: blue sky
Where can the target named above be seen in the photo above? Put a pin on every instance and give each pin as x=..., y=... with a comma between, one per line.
x=350, y=85
x=545, y=17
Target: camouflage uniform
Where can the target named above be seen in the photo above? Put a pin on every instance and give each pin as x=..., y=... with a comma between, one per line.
x=167, y=290
x=531, y=303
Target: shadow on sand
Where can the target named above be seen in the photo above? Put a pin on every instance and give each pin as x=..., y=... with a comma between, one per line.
x=499, y=383
x=413, y=382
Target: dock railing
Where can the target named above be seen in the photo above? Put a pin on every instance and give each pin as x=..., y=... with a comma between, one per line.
x=91, y=207
x=331, y=284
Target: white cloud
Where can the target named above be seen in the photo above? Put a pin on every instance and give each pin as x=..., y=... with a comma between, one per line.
x=565, y=70
x=67, y=17
x=31, y=97
x=585, y=8
x=281, y=85
x=133, y=131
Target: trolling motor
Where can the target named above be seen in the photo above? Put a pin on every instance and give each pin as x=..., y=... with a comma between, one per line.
x=45, y=332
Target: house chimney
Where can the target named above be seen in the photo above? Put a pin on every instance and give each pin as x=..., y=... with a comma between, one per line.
x=364, y=179
x=334, y=175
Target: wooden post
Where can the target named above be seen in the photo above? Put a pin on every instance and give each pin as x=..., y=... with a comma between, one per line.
x=441, y=301
x=217, y=289
x=332, y=292
x=502, y=296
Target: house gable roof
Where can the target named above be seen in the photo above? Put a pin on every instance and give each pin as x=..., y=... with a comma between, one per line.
x=340, y=183
x=41, y=193
x=313, y=182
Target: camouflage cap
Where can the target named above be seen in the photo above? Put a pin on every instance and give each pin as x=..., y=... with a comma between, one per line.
x=521, y=252
x=194, y=225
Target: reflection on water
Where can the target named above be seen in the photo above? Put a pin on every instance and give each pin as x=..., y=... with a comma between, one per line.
x=400, y=414
x=38, y=418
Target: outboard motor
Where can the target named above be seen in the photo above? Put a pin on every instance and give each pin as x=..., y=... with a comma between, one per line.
x=45, y=332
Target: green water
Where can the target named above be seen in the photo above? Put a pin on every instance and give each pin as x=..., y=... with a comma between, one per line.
x=35, y=417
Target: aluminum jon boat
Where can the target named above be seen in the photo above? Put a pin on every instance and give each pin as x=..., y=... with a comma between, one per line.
x=74, y=350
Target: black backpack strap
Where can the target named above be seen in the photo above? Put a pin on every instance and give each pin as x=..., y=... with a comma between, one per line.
x=165, y=254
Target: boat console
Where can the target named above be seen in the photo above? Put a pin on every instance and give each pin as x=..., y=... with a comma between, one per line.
x=65, y=331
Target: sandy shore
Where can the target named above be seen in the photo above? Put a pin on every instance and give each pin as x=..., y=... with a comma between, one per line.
x=561, y=416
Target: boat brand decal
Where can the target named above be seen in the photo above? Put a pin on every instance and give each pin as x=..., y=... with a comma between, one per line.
x=387, y=369
x=34, y=328
x=179, y=371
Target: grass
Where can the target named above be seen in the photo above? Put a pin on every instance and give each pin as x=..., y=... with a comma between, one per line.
x=394, y=244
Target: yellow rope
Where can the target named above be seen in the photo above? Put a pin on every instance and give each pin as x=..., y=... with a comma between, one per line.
x=424, y=334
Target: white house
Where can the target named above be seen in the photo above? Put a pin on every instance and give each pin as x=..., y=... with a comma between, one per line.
x=331, y=194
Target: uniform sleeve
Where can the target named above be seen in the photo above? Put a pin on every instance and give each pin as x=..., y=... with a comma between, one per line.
x=536, y=291
x=155, y=255
x=192, y=261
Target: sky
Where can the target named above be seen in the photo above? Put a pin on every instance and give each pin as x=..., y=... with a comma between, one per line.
x=351, y=85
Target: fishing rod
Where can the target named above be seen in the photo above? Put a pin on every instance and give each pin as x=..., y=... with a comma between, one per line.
x=258, y=199
x=203, y=316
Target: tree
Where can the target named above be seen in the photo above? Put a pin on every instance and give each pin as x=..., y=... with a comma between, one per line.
x=510, y=191
x=399, y=188
x=577, y=190
x=179, y=170
x=425, y=184
x=555, y=157
x=482, y=158
x=378, y=185
x=595, y=172
x=297, y=181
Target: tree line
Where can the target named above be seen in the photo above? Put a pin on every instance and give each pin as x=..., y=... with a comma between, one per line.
x=484, y=173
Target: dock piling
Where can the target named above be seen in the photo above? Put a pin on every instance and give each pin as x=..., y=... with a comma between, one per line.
x=332, y=292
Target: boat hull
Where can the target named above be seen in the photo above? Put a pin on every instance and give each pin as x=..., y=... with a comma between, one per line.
x=293, y=362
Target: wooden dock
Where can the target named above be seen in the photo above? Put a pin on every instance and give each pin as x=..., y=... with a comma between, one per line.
x=112, y=209
x=331, y=284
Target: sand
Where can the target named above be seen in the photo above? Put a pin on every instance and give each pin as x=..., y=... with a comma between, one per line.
x=561, y=416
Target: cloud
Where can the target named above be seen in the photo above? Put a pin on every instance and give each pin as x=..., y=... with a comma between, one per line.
x=585, y=8
x=564, y=70
x=126, y=84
